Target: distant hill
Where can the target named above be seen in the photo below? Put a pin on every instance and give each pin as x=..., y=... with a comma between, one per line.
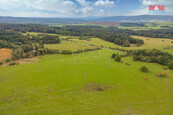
x=27, y=20
x=104, y=23
x=141, y=18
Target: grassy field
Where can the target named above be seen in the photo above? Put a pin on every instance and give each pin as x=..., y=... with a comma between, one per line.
x=169, y=51
x=153, y=43
x=66, y=45
x=82, y=84
x=36, y=33
x=89, y=83
x=149, y=43
x=97, y=42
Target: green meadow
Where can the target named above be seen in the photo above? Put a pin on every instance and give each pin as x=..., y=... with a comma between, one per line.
x=149, y=43
x=67, y=45
x=86, y=83
x=37, y=33
x=169, y=51
x=89, y=83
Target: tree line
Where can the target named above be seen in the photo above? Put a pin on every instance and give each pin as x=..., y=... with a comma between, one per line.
x=153, y=56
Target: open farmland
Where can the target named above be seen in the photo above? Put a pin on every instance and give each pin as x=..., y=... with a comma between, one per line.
x=67, y=45
x=158, y=43
x=86, y=84
x=37, y=33
x=149, y=43
x=84, y=75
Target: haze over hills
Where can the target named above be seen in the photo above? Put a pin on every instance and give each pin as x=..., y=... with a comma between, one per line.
x=140, y=18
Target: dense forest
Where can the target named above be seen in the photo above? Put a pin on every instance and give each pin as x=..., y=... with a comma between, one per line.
x=154, y=33
x=127, y=24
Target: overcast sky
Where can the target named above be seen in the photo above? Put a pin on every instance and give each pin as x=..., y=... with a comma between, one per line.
x=79, y=8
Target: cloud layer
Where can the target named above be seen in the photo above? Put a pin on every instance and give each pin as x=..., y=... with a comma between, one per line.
x=76, y=8
x=53, y=8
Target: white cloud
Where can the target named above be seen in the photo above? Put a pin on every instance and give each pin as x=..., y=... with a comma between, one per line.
x=60, y=6
x=87, y=11
x=83, y=2
x=55, y=8
x=105, y=3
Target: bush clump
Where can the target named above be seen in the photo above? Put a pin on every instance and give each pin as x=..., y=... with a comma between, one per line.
x=163, y=73
x=165, y=68
x=113, y=55
x=170, y=65
x=66, y=52
x=144, y=69
x=117, y=58
x=12, y=63
x=7, y=60
x=1, y=63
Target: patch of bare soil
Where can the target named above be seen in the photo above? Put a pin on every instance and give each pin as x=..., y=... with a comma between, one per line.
x=5, y=54
x=7, y=98
x=28, y=60
x=24, y=61
x=96, y=87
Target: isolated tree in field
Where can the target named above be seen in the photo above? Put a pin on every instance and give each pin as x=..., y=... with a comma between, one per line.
x=117, y=58
x=144, y=69
x=113, y=55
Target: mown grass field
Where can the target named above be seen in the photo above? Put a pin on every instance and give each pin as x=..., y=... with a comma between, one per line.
x=151, y=43
x=66, y=45
x=62, y=84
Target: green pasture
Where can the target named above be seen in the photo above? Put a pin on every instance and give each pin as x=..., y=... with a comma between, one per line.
x=58, y=84
x=169, y=51
x=67, y=45
x=149, y=43
x=37, y=33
